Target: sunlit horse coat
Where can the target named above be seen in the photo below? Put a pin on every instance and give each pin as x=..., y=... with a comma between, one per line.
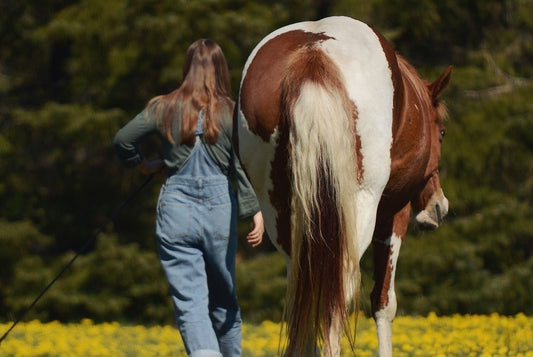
x=336, y=131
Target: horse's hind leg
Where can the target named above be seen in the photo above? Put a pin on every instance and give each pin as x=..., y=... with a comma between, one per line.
x=388, y=235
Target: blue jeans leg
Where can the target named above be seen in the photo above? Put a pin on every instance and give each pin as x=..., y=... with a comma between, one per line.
x=220, y=266
x=184, y=268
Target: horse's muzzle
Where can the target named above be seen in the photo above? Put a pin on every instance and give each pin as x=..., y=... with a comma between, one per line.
x=432, y=216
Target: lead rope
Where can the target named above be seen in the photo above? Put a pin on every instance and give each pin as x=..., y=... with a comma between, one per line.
x=110, y=219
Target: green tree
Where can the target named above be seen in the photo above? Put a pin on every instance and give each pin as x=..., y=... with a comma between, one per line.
x=73, y=72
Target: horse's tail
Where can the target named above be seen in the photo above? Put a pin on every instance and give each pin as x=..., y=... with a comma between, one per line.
x=325, y=268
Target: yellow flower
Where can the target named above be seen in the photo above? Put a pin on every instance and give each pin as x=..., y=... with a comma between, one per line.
x=434, y=336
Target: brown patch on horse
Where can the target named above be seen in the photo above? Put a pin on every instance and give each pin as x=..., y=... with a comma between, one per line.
x=413, y=104
x=260, y=104
x=358, y=151
x=410, y=150
x=407, y=127
x=382, y=251
x=417, y=143
x=416, y=105
x=319, y=296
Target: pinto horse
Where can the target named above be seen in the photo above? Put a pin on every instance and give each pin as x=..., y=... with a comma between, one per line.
x=340, y=138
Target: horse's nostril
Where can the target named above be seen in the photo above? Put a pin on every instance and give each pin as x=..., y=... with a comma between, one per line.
x=439, y=213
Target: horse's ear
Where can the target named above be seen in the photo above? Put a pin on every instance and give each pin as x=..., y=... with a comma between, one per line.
x=440, y=84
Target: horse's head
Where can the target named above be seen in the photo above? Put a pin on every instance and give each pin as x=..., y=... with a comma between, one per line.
x=430, y=204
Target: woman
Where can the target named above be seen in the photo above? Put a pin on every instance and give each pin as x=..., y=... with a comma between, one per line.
x=196, y=225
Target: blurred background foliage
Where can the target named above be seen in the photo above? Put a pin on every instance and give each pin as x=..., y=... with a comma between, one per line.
x=72, y=72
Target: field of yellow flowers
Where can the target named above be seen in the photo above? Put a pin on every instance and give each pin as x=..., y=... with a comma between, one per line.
x=492, y=335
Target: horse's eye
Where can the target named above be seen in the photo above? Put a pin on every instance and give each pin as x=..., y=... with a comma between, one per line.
x=442, y=132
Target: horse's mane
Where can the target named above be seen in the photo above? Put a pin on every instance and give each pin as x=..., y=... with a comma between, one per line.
x=420, y=87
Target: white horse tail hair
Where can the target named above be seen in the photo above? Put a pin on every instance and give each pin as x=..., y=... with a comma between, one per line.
x=322, y=146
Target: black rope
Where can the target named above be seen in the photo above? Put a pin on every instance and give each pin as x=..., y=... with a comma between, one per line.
x=87, y=244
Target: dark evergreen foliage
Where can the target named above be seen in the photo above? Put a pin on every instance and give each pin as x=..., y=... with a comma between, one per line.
x=72, y=72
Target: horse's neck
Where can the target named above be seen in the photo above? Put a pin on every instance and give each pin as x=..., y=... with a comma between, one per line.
x=411, y=137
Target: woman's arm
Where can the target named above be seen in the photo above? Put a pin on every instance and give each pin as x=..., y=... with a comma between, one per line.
x=255, y=237
x=126, y=141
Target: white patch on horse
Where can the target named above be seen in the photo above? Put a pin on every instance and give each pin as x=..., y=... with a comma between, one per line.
x=385, y=316
x=368, y=80
x=257, y=156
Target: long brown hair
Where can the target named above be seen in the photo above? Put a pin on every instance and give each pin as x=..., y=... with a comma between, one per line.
x=206, y=86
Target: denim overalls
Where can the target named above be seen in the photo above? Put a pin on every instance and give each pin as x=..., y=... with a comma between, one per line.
x=196, y=233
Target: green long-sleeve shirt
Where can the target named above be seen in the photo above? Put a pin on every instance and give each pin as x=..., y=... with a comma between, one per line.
x=174, y=155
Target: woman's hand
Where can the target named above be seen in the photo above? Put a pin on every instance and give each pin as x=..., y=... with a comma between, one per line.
x=255, y=237
x=149, y=167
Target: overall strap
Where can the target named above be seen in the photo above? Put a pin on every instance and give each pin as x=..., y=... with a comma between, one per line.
x=200, y=124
